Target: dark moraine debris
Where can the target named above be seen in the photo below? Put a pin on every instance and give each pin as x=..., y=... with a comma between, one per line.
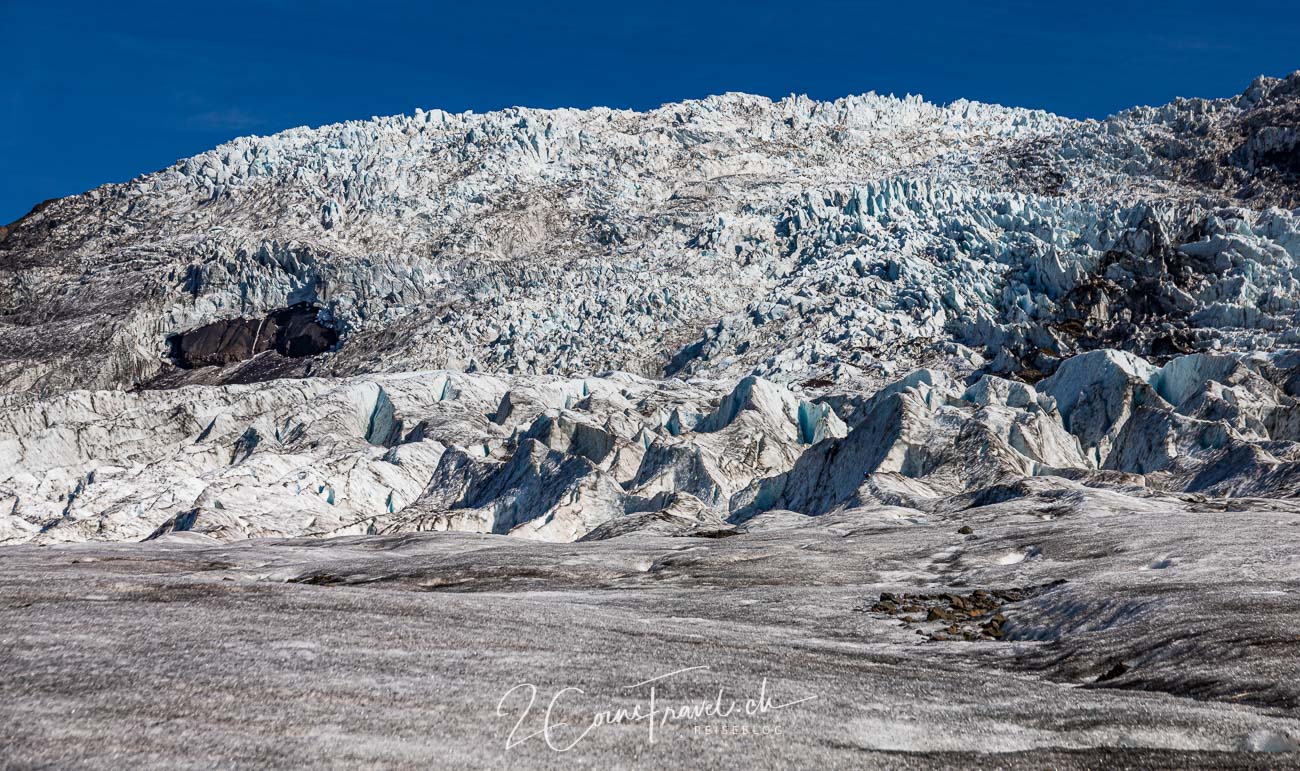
x=972, y=617
x=295, y=332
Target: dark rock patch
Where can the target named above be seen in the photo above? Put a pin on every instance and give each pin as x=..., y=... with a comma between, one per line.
x=13, y=227
x=972, y=617
x=295, y=332
x=1118, y=670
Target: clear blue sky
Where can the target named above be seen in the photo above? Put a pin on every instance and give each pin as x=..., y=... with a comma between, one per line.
x=98, y=92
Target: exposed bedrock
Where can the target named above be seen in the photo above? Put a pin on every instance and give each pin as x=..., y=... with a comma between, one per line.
x=294, y=332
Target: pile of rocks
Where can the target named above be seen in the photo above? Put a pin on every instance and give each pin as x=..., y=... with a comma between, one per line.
x=944, y=616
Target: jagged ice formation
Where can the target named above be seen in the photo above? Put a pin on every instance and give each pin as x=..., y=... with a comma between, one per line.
x=419, y=322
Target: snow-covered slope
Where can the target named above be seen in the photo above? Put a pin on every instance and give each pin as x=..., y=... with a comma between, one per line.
x=563, y=324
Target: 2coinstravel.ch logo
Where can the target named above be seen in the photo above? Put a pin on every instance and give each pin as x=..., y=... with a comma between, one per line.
x=561, y=722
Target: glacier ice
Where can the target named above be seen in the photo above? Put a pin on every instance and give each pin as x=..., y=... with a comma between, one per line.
x=444, y=396
x=554, y=458
x=539, y=321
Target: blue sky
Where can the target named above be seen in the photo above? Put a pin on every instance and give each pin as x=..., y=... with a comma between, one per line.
x=98, y=92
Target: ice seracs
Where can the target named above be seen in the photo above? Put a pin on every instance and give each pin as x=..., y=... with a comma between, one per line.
x=554, y=323
x=719, y=238
x=559, y=459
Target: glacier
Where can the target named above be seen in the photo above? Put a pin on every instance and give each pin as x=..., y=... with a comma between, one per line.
x=783, y=264
x=978, y=421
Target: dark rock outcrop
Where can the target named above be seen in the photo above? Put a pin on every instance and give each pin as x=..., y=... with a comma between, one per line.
x=294, y=332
